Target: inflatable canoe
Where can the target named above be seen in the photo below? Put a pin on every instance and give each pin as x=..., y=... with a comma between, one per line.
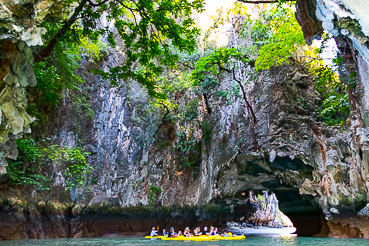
x=203, y=238
x=148, y=237
x=182, y=238
x=231, y=238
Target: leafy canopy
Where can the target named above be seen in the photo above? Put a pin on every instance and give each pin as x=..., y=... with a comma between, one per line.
x=335, y=106
x=75, y=160
x=24, y=171
x=147, y=30
x=58, y=73
x=209, y=68
x=276, y=35
x=32, y=159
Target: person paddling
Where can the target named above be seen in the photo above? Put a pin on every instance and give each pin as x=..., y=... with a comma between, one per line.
x=153, y=232
x=165, y=233
x=197, y=232
x=171, y=233
x=211, y=230
x=205, y=231
x=187, y=232
x=215, y=232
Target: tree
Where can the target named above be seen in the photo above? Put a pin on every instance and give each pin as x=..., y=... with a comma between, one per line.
x=147, y=28
x=208, y=71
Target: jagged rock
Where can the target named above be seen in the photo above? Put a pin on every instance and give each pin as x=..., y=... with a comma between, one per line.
x=299, y=76
x=232, y=224
x=364, y=211
x=16, y=73
x=272, y=155
x=20, y=20
x=305, y=15
x=334, y=211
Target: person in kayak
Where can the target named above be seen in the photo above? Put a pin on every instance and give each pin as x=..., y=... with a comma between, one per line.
x=211, y=230
x=197, y=232
x=179, y=233
x=205, y=231
x=187, y=232
x=153, y=232
x=165, y=233
x=171, y=233
x=229, y=234
x=215, y=232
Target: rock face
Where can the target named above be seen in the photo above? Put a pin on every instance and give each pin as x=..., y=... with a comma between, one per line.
x=20, y=20
x=119, y=195
x=16, y=73
x=309, y=166
x=347, y=20
x=348, y=23
x=19, y=29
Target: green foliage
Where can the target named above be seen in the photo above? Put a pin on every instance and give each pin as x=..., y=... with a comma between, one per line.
x=191, y=112
x=154, y=192
x=32, y=156
x=148, y=30
x=179, y=83
x=81, y=104
x=261, y=198
x=188, y=151
x=276, y=35
x=335, y=108
x=58, y=73
x=75, y=160
x=231, y=15
x=230, y=94
x=208, y=69
x=23, y=170
x=136, y=183
x=183, y=144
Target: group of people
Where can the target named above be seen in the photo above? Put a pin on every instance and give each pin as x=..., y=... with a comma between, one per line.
x=187, y=233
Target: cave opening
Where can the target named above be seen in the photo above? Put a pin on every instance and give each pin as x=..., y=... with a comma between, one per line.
x=306, y=216
x=302, y=210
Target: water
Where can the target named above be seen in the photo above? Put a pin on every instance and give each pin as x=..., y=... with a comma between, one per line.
x=135, y=241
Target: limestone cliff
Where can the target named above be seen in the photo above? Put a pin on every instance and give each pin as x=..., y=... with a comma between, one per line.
x=347, y=22
x=317, y=172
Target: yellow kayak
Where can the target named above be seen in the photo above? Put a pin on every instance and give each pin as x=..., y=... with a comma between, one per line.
x=182, y=238
x=231, y=238
x=148, y=237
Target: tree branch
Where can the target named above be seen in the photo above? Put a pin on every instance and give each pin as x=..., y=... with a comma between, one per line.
x=244, y=96
x=39, y=56
x=96, y=4
x=186, y=65
x=163, y=120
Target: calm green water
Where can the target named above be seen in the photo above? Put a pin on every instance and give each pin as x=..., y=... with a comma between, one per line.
x=250, y=241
